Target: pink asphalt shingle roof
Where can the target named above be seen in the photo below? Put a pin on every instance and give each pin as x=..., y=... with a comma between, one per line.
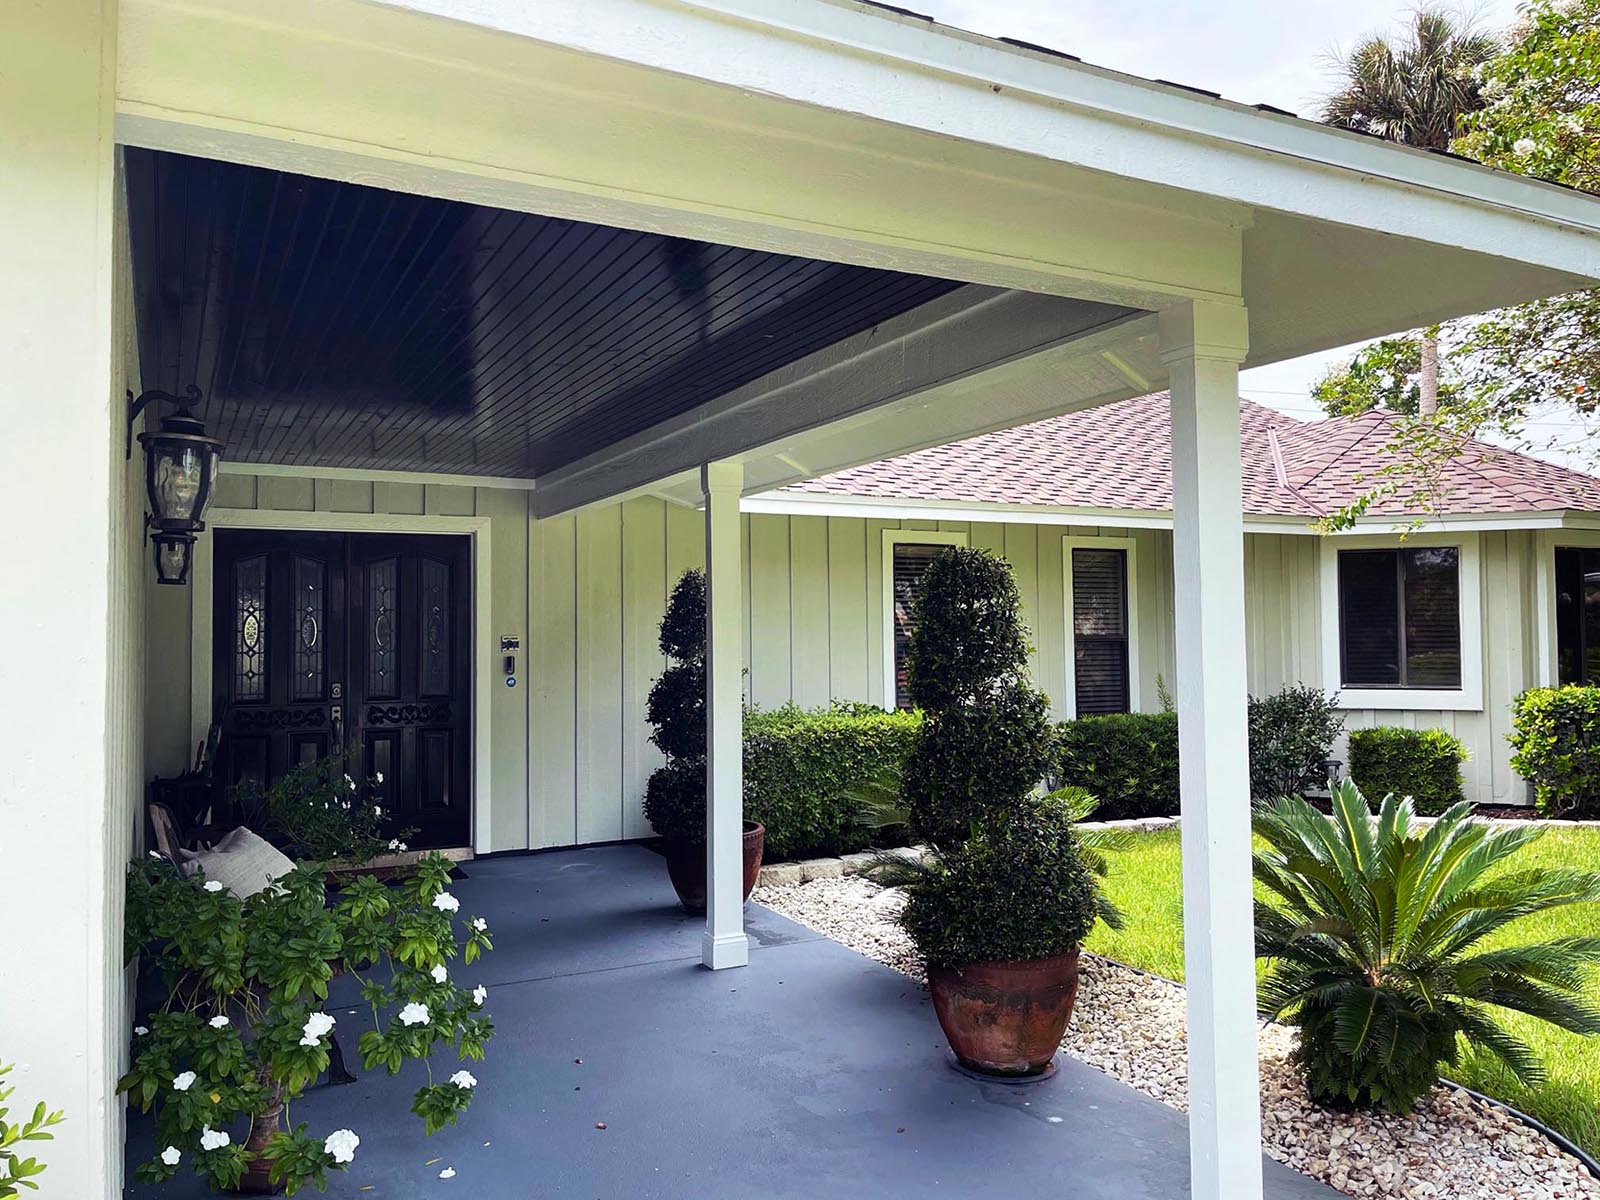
x=1119, y=456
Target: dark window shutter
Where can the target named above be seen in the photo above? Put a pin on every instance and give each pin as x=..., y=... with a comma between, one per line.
x=1433, y=617
x=1100, y=630
x=910, y=562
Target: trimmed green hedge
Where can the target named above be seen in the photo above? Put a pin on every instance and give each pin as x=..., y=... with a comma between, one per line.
x=1556, y=738
x=1129, y=761
x=799, y=765
x=1424, y=764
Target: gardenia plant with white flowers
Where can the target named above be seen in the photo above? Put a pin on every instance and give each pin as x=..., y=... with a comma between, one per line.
x=243, y=1029
x=328, y=815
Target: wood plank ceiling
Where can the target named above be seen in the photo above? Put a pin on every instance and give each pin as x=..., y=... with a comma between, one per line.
x=332, y=324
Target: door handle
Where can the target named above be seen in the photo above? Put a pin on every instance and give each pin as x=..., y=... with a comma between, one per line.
x=337, y=713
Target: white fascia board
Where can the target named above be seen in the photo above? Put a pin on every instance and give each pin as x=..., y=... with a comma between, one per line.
x=843, y=56
x=362, y=475
x=909, y=509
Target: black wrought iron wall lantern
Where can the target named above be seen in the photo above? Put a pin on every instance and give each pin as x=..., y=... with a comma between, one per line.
x=180, y=472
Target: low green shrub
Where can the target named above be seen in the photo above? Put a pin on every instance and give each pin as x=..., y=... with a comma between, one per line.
x=1291, y=734
x=1424, y=764
x=1556, y=738
x=1129, y=761
x=802, y=768
x=1018, y=888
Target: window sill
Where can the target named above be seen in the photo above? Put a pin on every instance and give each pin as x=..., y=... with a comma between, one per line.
x=1417, y=699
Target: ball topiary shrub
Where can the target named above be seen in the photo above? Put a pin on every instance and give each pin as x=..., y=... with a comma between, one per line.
x=1424, y=764
x=675, y=795
x=801, y=768
x=985, y=740
x=1017, y=889
x=1129, y=761
x=1555, y=737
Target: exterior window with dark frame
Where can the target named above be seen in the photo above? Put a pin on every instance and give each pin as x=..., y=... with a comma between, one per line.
x=911, y=560
x=1578, y=616
x=1100, y=631
x=1400, y=618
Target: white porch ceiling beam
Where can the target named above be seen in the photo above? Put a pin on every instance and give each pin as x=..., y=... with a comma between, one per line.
x=968, y=338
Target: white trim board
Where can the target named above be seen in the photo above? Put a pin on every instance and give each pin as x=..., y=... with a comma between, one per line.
x=891, y=539
x=894, y=508
x=1469, y=696
x=1130, y=549
x=483, y=651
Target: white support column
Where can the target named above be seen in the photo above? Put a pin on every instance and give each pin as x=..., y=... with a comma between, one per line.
x=1202, y=344
x=724, y=944
x=63, y=715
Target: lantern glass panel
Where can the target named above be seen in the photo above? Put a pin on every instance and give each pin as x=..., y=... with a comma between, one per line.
x=178, y=477
x=172, y=559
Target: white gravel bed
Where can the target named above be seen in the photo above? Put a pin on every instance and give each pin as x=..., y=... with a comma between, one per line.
x=1131, y=1026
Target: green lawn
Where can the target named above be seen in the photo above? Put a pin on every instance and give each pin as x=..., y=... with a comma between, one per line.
x=1146, y=882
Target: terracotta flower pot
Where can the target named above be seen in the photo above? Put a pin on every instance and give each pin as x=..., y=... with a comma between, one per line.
x=686, y=867
x=1006, y=1018
x=262, y=1128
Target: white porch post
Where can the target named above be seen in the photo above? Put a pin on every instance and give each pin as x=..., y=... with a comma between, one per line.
x=724, y=944
x=62, y=842
x=1202, y=344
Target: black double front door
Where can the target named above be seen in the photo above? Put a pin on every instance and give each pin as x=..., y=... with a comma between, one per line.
x=356, y=643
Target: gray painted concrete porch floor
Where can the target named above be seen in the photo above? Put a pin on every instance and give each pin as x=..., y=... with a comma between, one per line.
x=812, y=1072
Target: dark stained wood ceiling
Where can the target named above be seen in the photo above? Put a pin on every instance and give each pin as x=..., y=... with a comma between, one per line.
x=332, y=324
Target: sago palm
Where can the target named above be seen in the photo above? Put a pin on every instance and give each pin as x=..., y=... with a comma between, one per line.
x=1375, y=938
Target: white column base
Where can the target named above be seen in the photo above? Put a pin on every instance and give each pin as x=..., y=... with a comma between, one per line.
x=721, y=951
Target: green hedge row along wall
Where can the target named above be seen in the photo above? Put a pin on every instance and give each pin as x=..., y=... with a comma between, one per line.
x=1556, y=738
x=800, y=764
x=1424, y=764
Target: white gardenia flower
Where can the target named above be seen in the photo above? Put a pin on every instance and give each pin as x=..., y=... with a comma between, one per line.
x=379, y=777
x=445, y=902
x=183, y=1082
x=396, y=844
x=480, y=924
x=350, y=783
x=377, y=810
x=464, y=1080
x=479, y=995
x=1524, y=146
x=414, y=1014
x=172, y=1156
x=214, y=1139
x=448, y=1173
x=341, y=1144
x=214, y=885
x=140, y=1030
x=439, y=973
x=218, y=1022
x=156, y=854
x=317, y=1024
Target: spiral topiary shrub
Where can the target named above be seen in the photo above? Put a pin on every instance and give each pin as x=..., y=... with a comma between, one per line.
x=985, y=737
x=1017, y=889
x=675, y=795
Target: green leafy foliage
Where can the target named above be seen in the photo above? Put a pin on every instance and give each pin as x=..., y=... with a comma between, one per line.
x=984, y=741
x=242, y=1030
x=1018, y=888
x=1291, y=734
x=1129, y=761
x=1374, y=936
x=675, y=794
x=1385, y=374
x=326, y=814
x=1555, y=736
x=16, y=1170
x=1424, y=764
x=802, y=768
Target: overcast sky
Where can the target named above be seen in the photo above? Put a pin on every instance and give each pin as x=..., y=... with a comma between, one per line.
x=1274, y=52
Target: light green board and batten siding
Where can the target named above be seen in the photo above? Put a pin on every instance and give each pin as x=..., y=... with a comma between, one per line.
x=571, y=749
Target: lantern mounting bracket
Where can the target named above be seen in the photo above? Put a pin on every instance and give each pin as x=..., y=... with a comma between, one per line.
x=191, y=395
